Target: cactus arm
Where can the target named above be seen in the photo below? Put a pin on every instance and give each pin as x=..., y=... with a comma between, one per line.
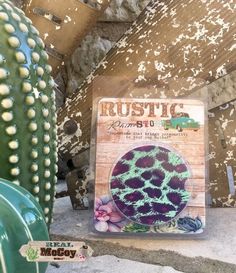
x=27, y=108
x=21, y=221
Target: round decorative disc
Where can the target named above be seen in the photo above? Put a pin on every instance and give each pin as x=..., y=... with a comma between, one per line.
x=148, y=185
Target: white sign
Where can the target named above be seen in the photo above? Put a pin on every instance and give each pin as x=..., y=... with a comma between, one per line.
x=41, y=251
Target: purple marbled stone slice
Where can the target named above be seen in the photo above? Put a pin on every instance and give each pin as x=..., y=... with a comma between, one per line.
x=148, y=220
x=180, y=168
x=146, y=175
x=153, y=193
x=153, y=219
x=129, y=211
x=145, y=208
x=120, y=205
x=117, y=184
x=175, y=198
x=162, y=157
x=176, y=183
x=162, y=208
x=120, y=168
x=134, y=196
x=145, y=162
x=162, y=218
x=134, y=183
x=128, y=156
x=168, y=166
x=171, y=168
x=157, y=178
x=156, y=182
x=158, y=174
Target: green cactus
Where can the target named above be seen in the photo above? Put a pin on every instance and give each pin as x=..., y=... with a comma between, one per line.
x=21, y=221
x=27, y=108
x=32, y=254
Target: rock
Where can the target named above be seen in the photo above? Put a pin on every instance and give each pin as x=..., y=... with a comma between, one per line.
x=222, y=90
x=91, y=51
x=85, y=59
x=101, y=39
x=110, y=30
x=218, y=92
x=124, y=10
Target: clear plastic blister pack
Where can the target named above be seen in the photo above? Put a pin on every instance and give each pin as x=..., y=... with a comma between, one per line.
x=149, y=166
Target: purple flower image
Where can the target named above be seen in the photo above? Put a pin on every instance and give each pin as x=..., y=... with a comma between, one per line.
x=106, y=216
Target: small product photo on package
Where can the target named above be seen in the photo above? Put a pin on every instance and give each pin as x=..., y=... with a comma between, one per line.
x=150, y=166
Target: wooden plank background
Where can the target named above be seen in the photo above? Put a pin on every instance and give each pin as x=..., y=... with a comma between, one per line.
x=175, y=47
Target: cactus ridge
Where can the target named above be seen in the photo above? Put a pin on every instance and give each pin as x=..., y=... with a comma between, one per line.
x=27, y=108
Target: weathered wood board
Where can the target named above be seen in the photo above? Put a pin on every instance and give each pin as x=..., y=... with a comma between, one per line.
x=178, y=46
x=77, y=185
x=62, y=25
x=222, y=155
